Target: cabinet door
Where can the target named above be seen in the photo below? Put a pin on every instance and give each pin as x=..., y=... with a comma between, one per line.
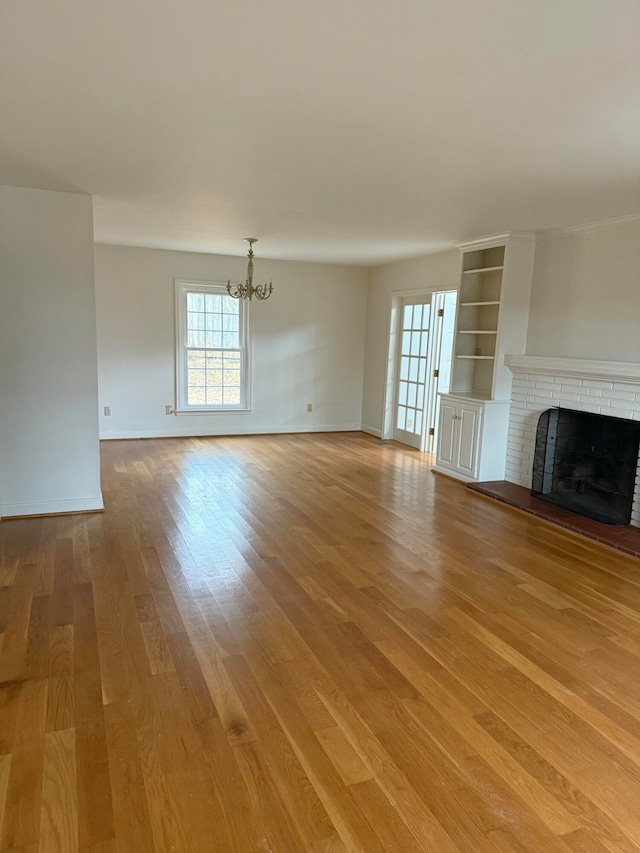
x=447, y=433
x=468, y=437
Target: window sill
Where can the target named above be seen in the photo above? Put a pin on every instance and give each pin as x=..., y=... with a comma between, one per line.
x=239, y=411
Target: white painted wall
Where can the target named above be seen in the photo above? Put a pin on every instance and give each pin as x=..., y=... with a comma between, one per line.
x=49, y=451
x=432, y=272
x=308, y=344
x=585, y=300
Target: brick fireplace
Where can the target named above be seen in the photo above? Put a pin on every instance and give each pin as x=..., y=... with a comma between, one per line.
x=603, y=388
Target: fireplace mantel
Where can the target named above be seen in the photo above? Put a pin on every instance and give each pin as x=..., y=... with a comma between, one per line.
x=608, y=371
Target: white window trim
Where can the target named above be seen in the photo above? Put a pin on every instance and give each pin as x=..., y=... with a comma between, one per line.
x=182, y=286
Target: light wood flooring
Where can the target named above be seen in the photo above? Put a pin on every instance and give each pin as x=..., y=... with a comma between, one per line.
x=312, y=643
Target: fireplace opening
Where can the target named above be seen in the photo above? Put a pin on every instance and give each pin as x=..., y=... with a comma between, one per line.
x=587, y=463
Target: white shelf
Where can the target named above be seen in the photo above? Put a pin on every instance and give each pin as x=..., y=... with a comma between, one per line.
x=479, y=304
x=477, y=331
x=478, y=357
x=482, y=270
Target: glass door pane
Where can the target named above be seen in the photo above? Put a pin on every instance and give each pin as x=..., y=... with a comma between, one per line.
x=413, y=354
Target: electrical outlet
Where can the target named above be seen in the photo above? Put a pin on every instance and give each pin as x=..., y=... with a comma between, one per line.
x=309, y=407
x=168, y=410
x=107, y=411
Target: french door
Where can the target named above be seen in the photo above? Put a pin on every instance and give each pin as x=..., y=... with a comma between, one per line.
x=423, y=366
x=412, y=361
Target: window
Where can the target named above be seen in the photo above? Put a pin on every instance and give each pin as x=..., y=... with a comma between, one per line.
x=211, y=349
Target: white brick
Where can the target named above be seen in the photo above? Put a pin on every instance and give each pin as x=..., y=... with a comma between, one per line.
x=596, y=383
x=621, y=395
x=620, y=413
x=543, y=394
x=548, y=386
x=627, y=386
x=570, y=398
x=594, y=392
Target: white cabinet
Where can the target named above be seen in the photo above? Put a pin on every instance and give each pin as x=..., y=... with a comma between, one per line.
x=491, y=322
x=472, y=438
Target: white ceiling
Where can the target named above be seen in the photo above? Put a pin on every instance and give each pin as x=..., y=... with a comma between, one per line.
x=357, y=131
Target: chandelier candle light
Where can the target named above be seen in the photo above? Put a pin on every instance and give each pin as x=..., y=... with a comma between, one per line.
x=247, y=290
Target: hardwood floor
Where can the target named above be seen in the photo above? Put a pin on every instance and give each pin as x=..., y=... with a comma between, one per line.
x=311, y=643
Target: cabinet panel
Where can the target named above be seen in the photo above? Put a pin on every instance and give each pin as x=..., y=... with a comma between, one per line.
x=468, y=427
x=447, y=433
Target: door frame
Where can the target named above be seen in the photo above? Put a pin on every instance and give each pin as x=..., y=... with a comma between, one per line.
x=388, y=401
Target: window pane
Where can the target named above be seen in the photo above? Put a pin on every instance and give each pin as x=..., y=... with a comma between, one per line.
x=214, y=396
x=230, y=322
x=214, y=377
x=425, y=316
x=418, y=426
x=213, y=303
x=417, y=316
x=195, y=302
x=196, y=359
x=408, y=313
x=229, y=339
x=195, y=377
x=406, y=343
x=413, y=369
x=402, y=414
x=196, y=396
x=422, y=370
x=415, y=343
x=404, y=367
x=231, y=360
x=230, y=305
x=420, y=400
x=411, y=398
x=231, y=396
x=195, y=339
x=424, y=340
x=213, y=322
x=195, y=321
x=402, y=393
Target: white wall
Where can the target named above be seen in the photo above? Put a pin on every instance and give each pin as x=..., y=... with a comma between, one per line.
x=308, y=343
x=433, y=272
x=49, y=451
x=585, y=300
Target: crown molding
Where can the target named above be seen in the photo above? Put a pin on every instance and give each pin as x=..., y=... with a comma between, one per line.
x=589, y=227
x=496, y=240
x=582, y=368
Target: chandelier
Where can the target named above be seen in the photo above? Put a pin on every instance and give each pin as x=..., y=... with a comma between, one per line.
x=247, y=290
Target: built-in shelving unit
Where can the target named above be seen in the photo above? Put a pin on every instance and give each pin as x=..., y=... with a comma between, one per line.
x=491, y=321
x=477, y=321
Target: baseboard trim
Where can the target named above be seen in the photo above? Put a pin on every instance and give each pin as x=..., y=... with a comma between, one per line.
x=293, y=430
x=452, y=475
x=64, y=507
x=371, y=430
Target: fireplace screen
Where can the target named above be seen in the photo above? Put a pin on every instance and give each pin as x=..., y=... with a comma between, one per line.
x=587, y=463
